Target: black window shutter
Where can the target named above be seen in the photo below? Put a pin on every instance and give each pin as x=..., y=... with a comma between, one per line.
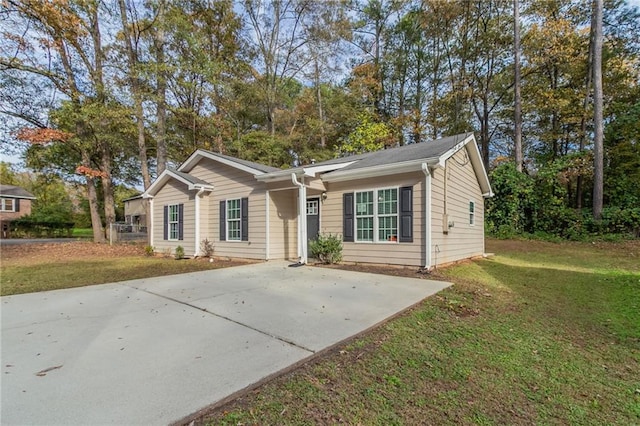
x=406, y=214
x=16, y=205
x=180, y=221
x=166, y=223
x=244, y=219
x=347, y=217
x=223, y=220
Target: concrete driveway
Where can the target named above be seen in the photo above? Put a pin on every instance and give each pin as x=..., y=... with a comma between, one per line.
x=154, y=351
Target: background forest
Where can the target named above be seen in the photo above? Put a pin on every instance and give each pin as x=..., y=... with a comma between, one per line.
x=104, y=95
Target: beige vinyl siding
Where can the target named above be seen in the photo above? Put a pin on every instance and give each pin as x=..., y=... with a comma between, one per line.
x=232, y=183
x=174, y=192
x=383, y=252
x=463, y=240
x=283, y=224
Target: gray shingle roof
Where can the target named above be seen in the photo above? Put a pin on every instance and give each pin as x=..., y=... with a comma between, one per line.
x=257, y=166
x=15, y=192
x=190, y=179
x=423, y=150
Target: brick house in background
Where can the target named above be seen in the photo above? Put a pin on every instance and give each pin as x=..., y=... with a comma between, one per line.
x=15, y=202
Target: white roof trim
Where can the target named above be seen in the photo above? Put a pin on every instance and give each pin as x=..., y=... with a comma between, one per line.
x=476, y=163
x=21, y=197
x=165, y=176
x=312, y=170
x=195, y=157
x=379, y=170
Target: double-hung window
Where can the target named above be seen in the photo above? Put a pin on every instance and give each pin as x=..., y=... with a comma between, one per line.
x=364, y=216
x=377, y=215
x=233, y=220
x=8, y=205
x=472, y=208
x=174, y=222
x=387, y=214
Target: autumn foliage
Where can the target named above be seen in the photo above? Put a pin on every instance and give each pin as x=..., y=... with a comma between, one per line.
x=89, y=172
x=40, y=136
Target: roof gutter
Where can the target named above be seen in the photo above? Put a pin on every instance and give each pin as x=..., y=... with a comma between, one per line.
x=381, y=170
x=427, y=213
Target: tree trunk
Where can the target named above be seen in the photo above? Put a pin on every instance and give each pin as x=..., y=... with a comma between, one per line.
x=134, y=82
x=107, y=189
x=161, y=95
x=517, y=133
x=583, y=120
x=323, y=137
x=598, y=142
x=92, y=197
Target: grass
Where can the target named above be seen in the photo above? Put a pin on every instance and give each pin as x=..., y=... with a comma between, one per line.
x=70, y=273
x=541, y=333
x=82, y=233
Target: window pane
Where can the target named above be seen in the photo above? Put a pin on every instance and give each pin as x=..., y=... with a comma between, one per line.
x=364, y=229
x=364, y=203
x=233, y=209
x=388, y=228
x=388, y=201
x=234, y=230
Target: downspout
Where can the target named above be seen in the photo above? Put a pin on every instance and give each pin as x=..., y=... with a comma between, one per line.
x=266, y=228
x=150, y=231
x=196, y=251
x=302, y=219
x=427, y=216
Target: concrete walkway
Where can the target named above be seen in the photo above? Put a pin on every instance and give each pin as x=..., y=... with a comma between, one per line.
x=156, y=350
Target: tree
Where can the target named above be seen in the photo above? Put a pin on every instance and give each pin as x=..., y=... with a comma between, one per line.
x=517, y=133
x=369, y=136
x=598, y=155
x=64, y=51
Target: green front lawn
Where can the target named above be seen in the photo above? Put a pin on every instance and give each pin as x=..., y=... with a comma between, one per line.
x=541, y=333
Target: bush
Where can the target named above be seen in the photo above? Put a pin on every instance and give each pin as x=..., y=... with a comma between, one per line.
x=327, y=248
x=28, y=228
x=149, y=250
x=179, y=253
x=206, y=247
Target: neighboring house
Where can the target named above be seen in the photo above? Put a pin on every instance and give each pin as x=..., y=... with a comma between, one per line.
x=15, y=202
x=134, y=213
x=419, y=205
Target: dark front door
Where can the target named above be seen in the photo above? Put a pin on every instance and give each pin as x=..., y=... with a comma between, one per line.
x=313, y=218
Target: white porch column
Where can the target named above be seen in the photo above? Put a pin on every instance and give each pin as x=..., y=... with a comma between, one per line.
x=302, y=218
x=150, y=230
x=196, y=249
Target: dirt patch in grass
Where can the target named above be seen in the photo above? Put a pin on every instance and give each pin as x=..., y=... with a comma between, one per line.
x=26, y=254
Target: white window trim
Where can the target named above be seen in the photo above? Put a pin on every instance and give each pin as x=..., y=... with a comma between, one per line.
x=472, y=214
x=375, y=216
x=227, y=220
x=13, y=205
x=176, y=222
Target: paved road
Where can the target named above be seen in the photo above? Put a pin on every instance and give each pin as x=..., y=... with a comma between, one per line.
x=22, y=241
x=154, y=351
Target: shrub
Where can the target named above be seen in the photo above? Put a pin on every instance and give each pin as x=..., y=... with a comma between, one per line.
x=149, y=250
x=327, y=248
x=206, y=247
x=179, y=253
